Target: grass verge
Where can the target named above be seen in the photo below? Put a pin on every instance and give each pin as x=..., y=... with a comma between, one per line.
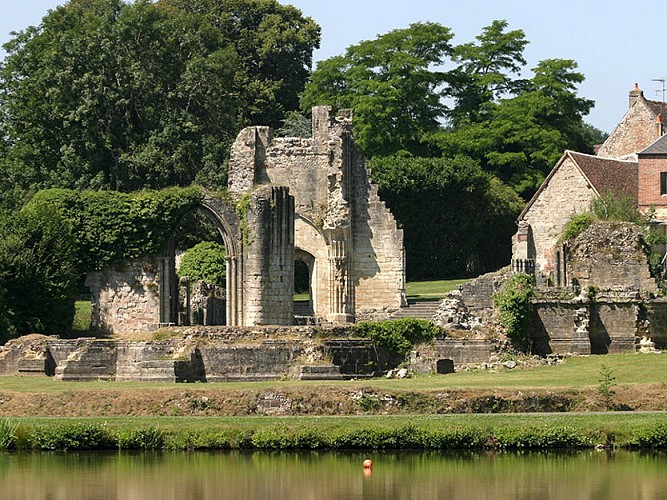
x=473, y=432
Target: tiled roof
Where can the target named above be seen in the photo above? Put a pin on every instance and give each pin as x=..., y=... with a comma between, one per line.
x=608, y=175
x=659, y=147
x=658, y=108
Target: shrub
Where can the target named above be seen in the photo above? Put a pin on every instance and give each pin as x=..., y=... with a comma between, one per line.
x=652, y=437
x=542, y=439
x=205, y=262
x=141, y=439
x=577, y=224
x=397, y=336
x=73, y=437
x=513, y=304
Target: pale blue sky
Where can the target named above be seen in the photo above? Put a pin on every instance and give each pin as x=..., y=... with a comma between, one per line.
x=615, y=43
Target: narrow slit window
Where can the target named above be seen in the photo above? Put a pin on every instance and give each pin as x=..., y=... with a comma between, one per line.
x=663, y=183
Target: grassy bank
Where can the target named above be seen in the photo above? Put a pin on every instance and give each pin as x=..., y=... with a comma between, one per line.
x=471, y=432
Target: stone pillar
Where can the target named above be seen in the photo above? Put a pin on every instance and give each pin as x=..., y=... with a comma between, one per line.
x=268, y=281
x=340, y=284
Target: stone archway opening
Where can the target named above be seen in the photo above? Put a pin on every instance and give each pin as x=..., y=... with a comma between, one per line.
x=204, y=291
x=200, y=271
x=304, y=279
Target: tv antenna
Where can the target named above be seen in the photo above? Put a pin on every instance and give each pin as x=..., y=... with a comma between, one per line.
x=662, y=90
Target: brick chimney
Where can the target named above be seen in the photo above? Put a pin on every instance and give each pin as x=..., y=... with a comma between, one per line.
x=635, y=94
x=659, y=129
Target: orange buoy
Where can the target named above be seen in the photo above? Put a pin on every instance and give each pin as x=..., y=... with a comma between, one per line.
x=368, y=464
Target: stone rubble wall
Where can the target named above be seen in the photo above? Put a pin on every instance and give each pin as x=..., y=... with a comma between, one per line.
x=126, y=297
x=610, y=257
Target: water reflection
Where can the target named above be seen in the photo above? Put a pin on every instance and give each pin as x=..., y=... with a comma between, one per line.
x=332, y=476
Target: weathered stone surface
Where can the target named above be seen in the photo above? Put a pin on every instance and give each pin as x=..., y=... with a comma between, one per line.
x=610, y=257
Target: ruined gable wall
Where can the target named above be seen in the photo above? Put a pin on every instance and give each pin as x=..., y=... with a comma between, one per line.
x=568, y=192
x=378, y=260
x=635, y=132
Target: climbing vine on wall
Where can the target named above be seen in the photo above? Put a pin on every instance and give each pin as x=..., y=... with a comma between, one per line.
x=109, y=227
x=513, y=304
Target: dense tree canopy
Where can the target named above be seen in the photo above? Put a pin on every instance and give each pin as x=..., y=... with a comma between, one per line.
x=108, y=95
x=413, y=91
x=457, y=219
x=391, y=84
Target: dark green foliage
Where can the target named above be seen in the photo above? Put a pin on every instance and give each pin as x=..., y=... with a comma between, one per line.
x=38, y=273
x=205, y=262
x=514, y=127
x=397, y=336
x=513, y=304
x=106, y=94
x=655, y=437
x=452, y=212
x=539, y=439
x=92, y=436
x=111, y=227
x=393, y=83
x=577, y=224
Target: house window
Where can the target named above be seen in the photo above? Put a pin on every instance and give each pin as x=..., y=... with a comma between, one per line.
x=663, y=183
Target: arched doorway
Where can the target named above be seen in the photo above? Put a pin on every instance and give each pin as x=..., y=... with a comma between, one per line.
x=182, y=305
x=304, y=279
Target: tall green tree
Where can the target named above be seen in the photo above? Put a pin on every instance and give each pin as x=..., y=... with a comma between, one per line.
x=393, y=85
x=38, y=275
x=456, y=218
x=275, y=46
x=484, y=70
x=108, y=95
x=521, y=138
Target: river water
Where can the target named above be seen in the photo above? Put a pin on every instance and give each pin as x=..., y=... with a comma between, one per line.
x=333, y=476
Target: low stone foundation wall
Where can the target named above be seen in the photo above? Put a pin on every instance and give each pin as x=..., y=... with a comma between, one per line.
x=605, y=324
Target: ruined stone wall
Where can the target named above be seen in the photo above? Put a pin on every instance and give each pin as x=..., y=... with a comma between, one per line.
x=567, y=193
x=378, y=259
x=126, y=297
x=477, y=294
x=636, y=130
x=613, y=326
x=552, y=327
x=654, y=324
x=609, y=256
x=340, y=220
x=584, y=327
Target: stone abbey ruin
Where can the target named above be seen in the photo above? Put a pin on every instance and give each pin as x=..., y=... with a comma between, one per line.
x=290, y=199
x=310, y=201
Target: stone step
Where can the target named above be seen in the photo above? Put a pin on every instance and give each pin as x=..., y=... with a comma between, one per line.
x=423, y=309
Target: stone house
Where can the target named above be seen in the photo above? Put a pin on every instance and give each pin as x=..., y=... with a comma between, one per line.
x=631, y=162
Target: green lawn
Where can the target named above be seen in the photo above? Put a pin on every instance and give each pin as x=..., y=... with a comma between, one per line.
x=431, y=289
x=575, y=372
x=419, y=290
